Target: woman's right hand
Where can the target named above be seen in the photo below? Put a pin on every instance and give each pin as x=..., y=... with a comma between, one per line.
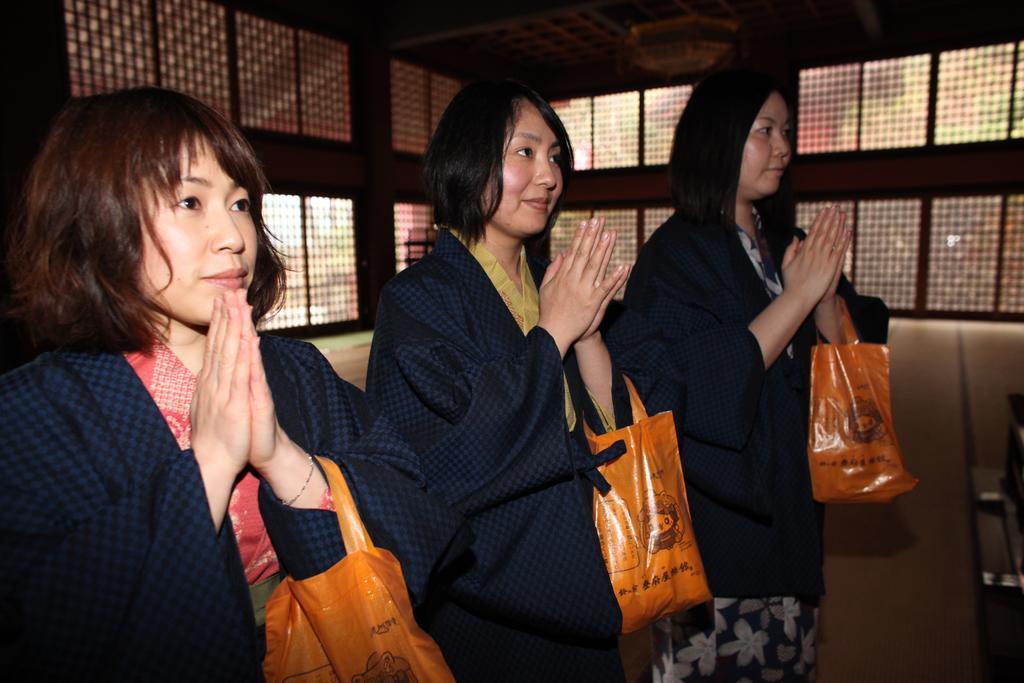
x=577, y=285
x=811, y=268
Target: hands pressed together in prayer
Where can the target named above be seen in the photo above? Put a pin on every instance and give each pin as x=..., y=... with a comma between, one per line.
x=234, y=424
x=811, y=270
x=813, y=267
x=578, y=287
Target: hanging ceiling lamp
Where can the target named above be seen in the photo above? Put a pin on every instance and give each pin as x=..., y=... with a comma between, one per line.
x=681, y=46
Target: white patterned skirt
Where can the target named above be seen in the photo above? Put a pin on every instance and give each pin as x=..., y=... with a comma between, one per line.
x=741, y=640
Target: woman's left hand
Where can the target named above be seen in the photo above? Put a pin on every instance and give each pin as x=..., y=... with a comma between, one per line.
x=844, y=247
x=273, y=454
x=619, y=278
x=266, y=431
x=827, y=317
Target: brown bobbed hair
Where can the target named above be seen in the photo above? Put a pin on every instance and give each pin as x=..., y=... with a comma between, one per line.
x=74, y=252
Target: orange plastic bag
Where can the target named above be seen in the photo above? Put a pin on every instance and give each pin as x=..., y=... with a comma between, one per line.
x=851, y=445
x=643, y=522
x=353, y=622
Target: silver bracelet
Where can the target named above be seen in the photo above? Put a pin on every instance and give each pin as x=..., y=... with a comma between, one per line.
x=304, y=485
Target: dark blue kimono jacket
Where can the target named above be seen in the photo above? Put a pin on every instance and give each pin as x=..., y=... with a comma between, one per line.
x=742, y=428
x=483, y=406
x=110, y=566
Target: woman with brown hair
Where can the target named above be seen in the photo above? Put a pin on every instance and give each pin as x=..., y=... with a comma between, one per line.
x=160, y=460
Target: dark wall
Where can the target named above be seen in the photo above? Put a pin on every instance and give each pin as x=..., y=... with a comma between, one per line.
x=35, y=87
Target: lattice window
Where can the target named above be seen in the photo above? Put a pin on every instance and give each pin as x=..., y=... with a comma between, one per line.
x=283, y=216
x=409, y=113
x=331, y=249
x=316, y=235
x=1017, y=130
x=963, y=253
x=565, y=228
x=887, y=243
x=617, y=130
x=577, y=117
x=414, y=233
x=324, y=87
x=894, y=105
x=624, y=223
x=806, y=212
x=973, y=101
x=1011, y=287
x=828, y=109
x=442, y=90
x=109, y=44
x=192, y=35
x=266, y=74
x=654, y=217
x=662, y=108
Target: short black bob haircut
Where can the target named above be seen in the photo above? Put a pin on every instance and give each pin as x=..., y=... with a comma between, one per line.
x=707, y=151
x=462, y=170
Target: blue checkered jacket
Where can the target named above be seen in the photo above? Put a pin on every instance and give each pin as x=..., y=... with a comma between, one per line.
x=110, y=567
x=483, y=406
x=742, y=428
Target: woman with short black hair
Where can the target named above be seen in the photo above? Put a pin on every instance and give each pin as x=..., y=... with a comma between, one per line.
x=725, y=301
x=465, y=158
x=491, y=377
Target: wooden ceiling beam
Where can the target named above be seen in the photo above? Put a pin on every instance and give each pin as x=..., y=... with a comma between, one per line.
x=643, y=8
x=728, y=8
x=596, y=18
x=870, y=17
x=571, y=37
x=413, y=22
x=684, y=6
x=771, y=9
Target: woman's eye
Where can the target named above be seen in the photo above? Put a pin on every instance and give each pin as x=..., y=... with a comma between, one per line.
x=190, y=203
x=525, y=151
x=556, y=159
x=241, y=205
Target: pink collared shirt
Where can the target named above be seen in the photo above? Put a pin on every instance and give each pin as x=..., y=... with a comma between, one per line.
x=171, y=385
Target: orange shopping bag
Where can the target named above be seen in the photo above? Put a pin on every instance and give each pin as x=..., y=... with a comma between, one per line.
x=851, y=445
x=643, y=522
x=354, y=622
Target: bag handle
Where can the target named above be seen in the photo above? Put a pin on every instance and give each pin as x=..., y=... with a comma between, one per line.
x=635, y=405
x=845, y=322
x=353, y=532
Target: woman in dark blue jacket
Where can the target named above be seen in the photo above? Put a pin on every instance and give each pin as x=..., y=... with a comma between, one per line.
x=489, y=360
x=157, y=465
x=723, y=306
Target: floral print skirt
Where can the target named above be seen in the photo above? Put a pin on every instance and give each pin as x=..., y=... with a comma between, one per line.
x=741, y=640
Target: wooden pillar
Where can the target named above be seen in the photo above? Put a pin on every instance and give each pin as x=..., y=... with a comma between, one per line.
x=375, y=237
